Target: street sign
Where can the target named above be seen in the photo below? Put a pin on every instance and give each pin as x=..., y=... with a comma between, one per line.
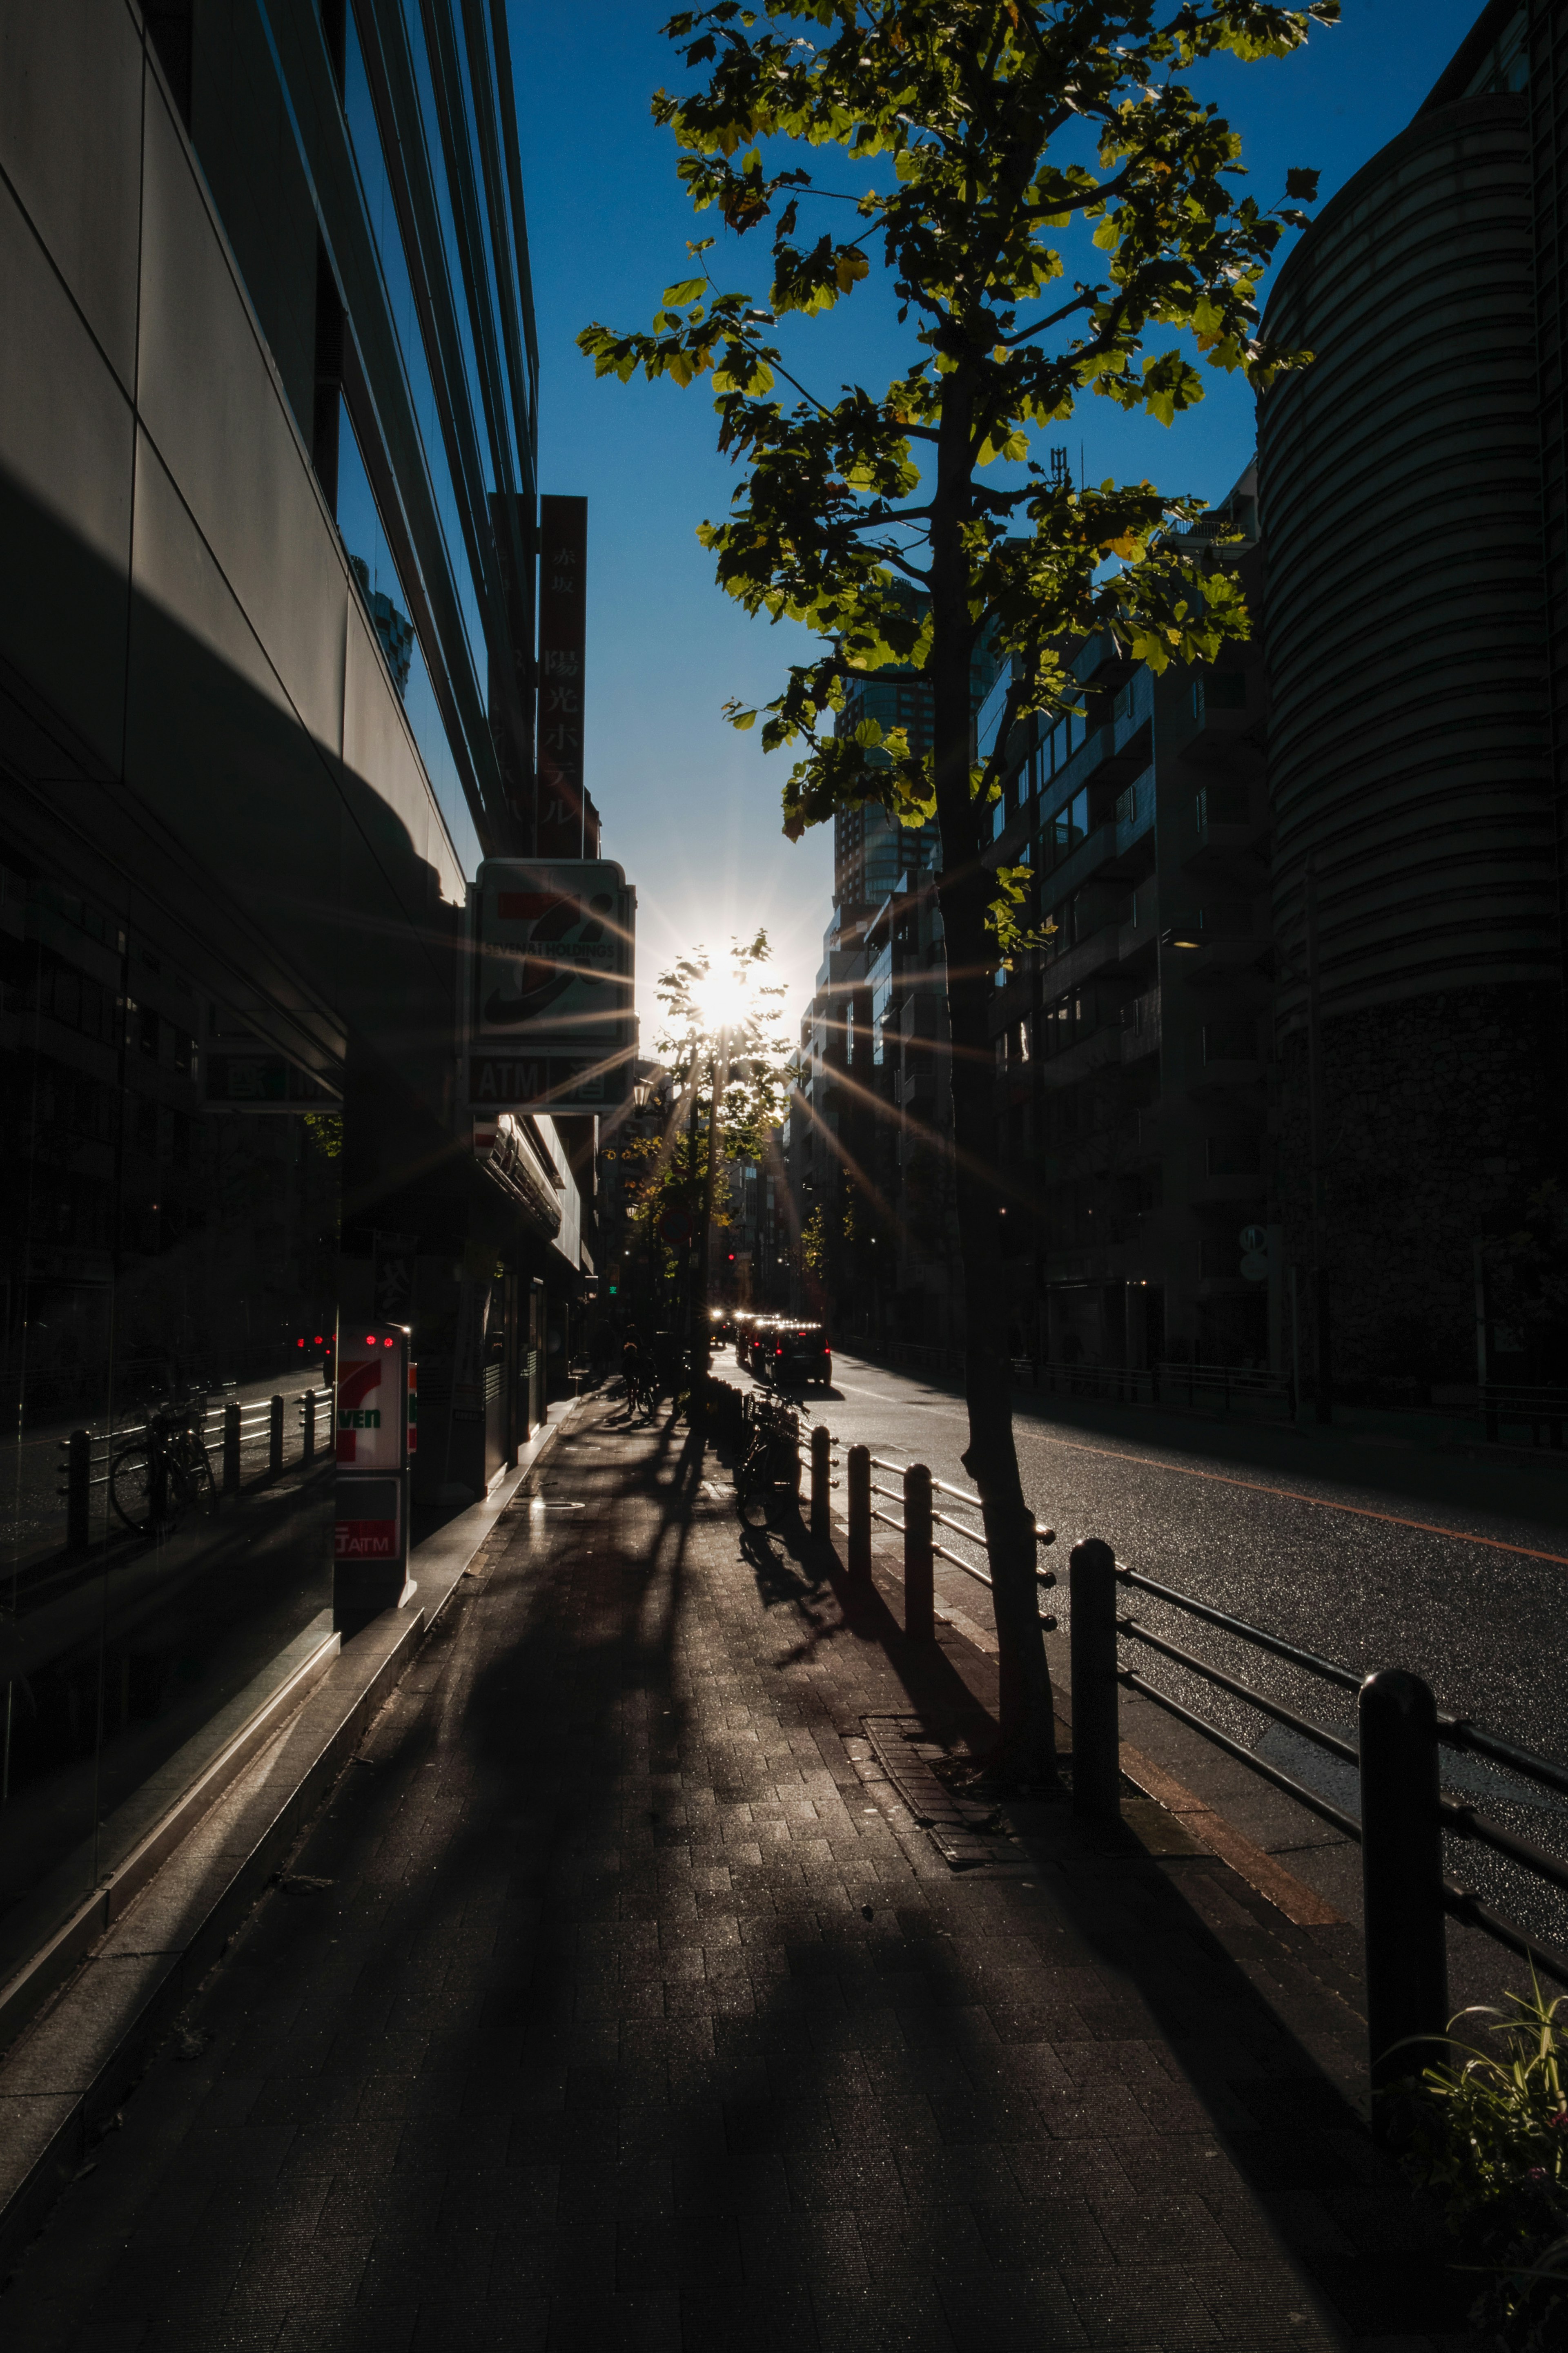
x=551, y=1022
x=1254, y=1238
x=1255, y=1265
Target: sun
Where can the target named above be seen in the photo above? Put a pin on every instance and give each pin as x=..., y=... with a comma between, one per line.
x=723, y=998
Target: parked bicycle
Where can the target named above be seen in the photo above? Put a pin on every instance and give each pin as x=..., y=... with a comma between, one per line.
x=164, y=1474
x=767, y=1477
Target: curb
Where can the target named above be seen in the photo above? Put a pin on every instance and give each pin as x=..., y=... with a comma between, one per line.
x=75, y=2061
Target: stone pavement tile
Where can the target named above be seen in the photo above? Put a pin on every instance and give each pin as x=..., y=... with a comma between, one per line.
x=356, y=2328
x=282, y=2275
x=1029, y=2234
x=361, y=2204
x=827, y=2247
x=776, y=2320
x=893, y=2316
x=1118, y=2302
x=1010, y=2312
x=688, y=2251
x=1253, y=2300
x=1159, y=2229
x=647, y=2322
x=730, y=2184
x=836, y=2179
x=227, y=2333
x=911, y=2241
x=409, y=2265
x=157, y=2284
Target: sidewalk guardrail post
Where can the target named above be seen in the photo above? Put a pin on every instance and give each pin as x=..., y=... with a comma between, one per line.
x=79, y=1490
x=859, y=1498
x=919, y=1564
x=1402, y=1875
x=231, y=1448
x=307, y=1408
x=275, y=1433
x=1096, y=1711
x=822, y=1482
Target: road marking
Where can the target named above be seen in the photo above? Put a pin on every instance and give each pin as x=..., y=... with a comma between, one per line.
x=1256, y=1487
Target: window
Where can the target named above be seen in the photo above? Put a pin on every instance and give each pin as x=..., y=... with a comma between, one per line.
x=1061, y=834
x=881, y=1001
x=1223, y=689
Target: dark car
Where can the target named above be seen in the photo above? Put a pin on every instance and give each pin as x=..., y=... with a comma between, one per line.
x=796, y=1355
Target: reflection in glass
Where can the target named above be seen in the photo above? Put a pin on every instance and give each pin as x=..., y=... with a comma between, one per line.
x=166, y=1273
x=386, y=601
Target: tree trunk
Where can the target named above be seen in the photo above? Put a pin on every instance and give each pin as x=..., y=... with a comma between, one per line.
x=1028, y=1750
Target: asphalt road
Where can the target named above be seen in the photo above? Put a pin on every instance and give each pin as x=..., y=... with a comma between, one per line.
x=1371, y=1553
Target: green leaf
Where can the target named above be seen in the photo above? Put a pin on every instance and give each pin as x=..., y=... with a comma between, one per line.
x=690, y=289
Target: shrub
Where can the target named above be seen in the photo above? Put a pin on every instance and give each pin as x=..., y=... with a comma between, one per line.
x=1490, y=2132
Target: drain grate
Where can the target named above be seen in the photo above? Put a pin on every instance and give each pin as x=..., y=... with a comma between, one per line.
x=968, y=1834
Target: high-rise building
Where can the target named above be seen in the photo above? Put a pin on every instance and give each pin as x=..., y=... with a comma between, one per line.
x=1416, y=664
x=268, y=389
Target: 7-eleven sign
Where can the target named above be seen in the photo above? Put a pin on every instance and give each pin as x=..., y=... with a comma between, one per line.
x=372, y=1399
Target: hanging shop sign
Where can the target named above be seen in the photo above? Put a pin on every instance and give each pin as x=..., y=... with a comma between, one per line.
x=550, y=1021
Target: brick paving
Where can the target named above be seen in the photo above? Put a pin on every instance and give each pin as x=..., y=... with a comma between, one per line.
x=640, y=2010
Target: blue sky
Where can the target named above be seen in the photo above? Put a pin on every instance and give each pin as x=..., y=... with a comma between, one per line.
x=690, y=807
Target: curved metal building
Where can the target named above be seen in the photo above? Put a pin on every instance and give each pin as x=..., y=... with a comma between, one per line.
x=1400, y=492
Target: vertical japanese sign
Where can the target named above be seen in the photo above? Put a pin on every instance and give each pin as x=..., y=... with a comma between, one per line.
x=562, y=609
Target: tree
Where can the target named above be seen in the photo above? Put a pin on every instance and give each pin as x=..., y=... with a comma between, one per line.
x=723, y=1044
x=980, y=130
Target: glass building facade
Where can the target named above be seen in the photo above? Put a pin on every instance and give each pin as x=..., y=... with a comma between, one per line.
x=268, y=384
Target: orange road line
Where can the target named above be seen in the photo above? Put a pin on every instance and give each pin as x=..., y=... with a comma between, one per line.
x=1292, y=1494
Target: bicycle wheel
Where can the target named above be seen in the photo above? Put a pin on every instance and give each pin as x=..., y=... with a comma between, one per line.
x=780, y=1494
x=130, y=1485
x=648, y=1405
x=191, y=1484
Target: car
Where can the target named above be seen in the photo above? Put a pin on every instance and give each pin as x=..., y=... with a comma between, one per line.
x=798, y=1356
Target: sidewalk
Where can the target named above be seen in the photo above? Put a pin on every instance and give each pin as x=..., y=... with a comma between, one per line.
x=641, y=1986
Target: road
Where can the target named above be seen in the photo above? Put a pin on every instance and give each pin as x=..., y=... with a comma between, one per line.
x=1370, y=1553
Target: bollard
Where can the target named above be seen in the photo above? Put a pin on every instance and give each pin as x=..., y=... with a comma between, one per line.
x=79, y=1490
x=231, y=1449
x=275, y=1433
x=859, y=1494
x=307, y=1409
x=1096, y=1711
x=1401, y=1876
x=822, y=1482
x=919, y=1623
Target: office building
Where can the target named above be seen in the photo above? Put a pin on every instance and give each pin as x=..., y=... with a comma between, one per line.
x=268, y=390
x=1416, y=663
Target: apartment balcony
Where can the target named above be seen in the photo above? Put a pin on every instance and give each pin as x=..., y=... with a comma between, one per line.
x=1098, y=1051
x=1098, y=953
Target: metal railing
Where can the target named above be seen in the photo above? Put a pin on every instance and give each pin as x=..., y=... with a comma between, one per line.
x=915, y=1495
x=1509, y=1404
x=1408, y=1894
x=227, y=1429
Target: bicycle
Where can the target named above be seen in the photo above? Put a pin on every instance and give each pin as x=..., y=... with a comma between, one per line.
x=156, y=1478
x=767, y=1477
